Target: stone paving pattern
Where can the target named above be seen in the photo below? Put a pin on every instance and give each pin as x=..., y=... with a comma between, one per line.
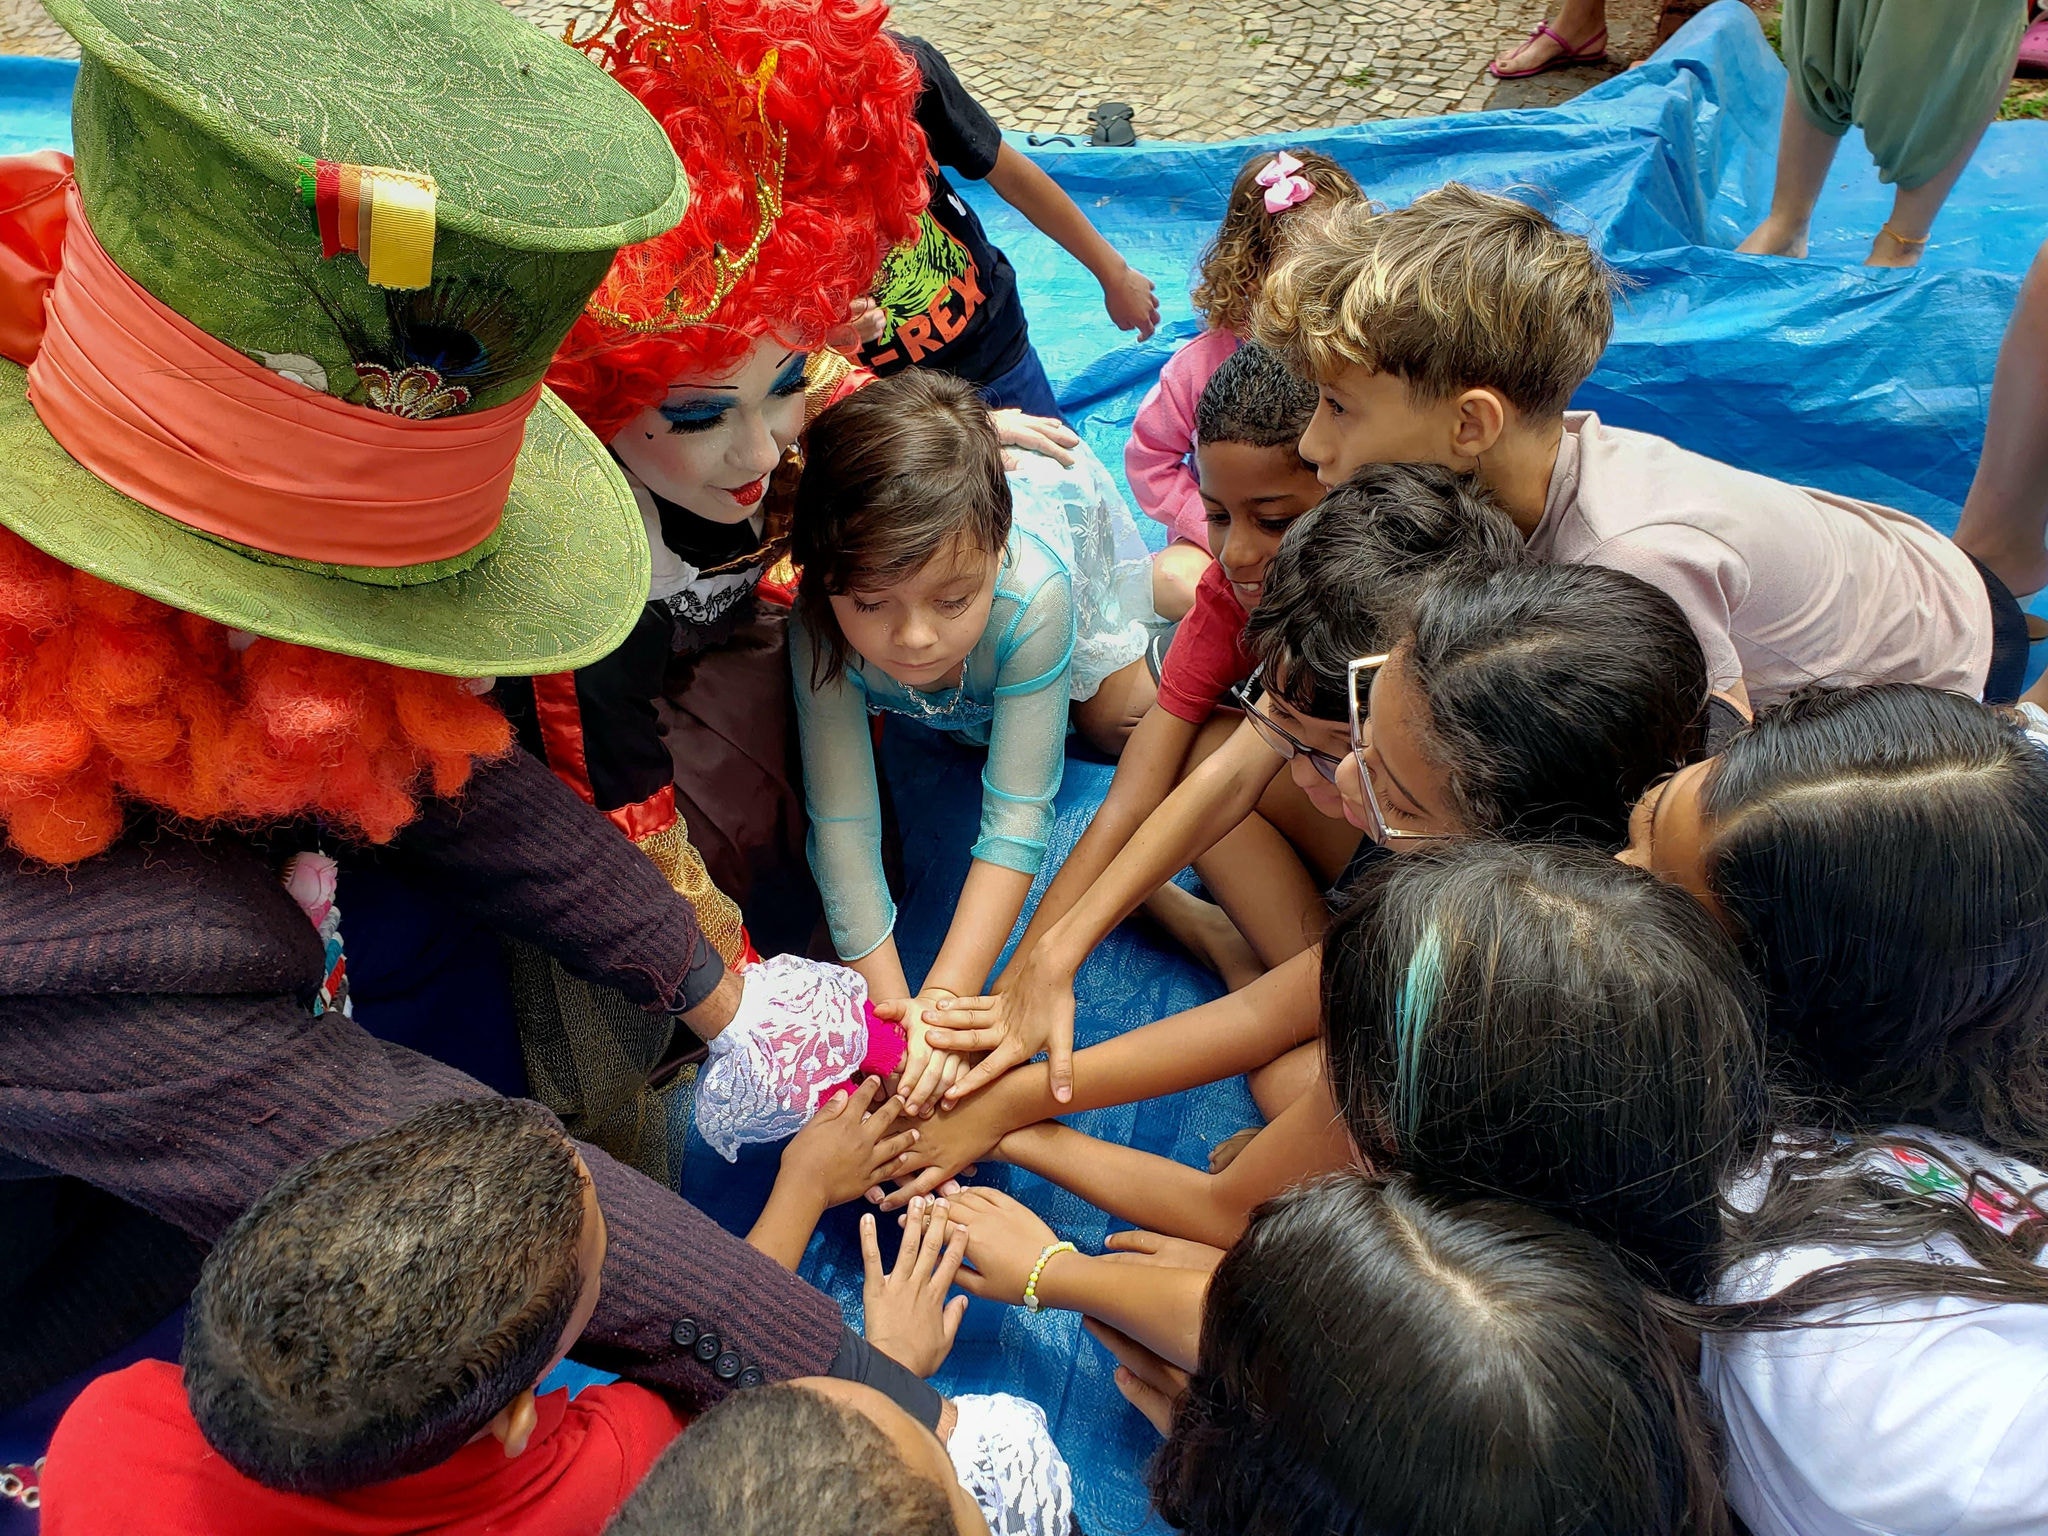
x=1191, y=69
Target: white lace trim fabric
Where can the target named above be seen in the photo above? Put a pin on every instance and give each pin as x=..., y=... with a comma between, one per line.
x=800, y=1030
x=1082, y=516
x=1003, y=1454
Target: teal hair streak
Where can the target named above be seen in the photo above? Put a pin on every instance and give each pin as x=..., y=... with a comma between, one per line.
x=1420, y=988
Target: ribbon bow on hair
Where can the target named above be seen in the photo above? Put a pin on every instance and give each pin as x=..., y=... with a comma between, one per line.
x=1284, y=184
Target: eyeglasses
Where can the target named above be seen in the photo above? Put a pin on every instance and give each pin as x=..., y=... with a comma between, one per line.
x=1277, y=736
x=1367, y=667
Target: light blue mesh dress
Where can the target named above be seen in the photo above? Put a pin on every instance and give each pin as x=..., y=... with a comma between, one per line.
x=1072, y=597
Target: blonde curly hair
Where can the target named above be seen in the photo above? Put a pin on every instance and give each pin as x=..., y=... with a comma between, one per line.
x=1461, y=288
x=1248, y=241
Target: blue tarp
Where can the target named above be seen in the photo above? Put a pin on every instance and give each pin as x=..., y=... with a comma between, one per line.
x=1871, y=383
x=1867, y=382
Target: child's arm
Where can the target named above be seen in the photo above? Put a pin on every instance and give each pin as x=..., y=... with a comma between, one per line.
x=1027, y=756
x=1035, y=1009
x=844, y=803
x=1232, y=1035
x=1307, y=1139
x=1163, y=434
x=1158, y=1305
x=843, y=1152
x=1126, y=294
x=1145, y=775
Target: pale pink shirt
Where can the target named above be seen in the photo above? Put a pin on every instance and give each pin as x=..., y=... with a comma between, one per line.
x=1163, y=434
x=1784, y=585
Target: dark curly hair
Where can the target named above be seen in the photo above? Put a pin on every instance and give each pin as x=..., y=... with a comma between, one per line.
x=381, y=1304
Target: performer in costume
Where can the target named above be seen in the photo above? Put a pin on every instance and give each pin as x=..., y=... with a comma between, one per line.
x=700, y=361
x=280, y=487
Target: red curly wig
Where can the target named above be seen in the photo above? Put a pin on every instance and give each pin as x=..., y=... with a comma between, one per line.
x=109, y=698
x=854, y=183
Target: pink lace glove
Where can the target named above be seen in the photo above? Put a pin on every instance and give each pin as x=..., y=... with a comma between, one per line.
x=803, y=1031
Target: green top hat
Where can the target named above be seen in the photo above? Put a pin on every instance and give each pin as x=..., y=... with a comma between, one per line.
x=196, y=125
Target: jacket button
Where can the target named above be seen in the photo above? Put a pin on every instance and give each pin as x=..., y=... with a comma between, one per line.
x=706, y=1347
x=684, y=1332
x=728, y=1366
x=750, y=1377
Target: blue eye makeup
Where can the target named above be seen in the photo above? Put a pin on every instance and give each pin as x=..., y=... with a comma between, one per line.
x=791, y=380
x=695, y=415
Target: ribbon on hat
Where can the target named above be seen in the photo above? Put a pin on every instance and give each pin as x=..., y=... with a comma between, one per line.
x=182, y=422
x=386, y=217
x=1285, y=185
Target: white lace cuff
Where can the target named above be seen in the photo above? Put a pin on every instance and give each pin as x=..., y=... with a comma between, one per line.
x=1003, y=1454
x=800, y=1031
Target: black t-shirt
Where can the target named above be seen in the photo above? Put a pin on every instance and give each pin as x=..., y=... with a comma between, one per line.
x=950, y=296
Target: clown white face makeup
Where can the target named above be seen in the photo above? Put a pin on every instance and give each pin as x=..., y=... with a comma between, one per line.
x=710, y=445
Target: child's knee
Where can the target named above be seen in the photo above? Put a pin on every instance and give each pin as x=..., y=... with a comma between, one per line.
x=1107, y=718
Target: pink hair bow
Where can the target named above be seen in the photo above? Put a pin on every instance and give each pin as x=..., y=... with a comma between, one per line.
x=1284, y=184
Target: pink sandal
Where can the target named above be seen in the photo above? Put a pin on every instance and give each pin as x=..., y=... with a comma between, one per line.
x=2033, y=57
x=1592, y=51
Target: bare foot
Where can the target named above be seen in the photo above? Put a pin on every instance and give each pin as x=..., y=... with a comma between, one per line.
x=1205, y=931
x=1224, y=1153
x=1772, y=238
x=1888, y=250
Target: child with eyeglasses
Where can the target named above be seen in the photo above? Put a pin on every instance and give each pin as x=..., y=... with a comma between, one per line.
x=1529, y=703
x=1341, y=578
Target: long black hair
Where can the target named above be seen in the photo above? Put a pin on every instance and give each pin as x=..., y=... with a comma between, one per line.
x=1556, y=695
x=1539, y=1022
x=1881, y=856
x=1374, y=1359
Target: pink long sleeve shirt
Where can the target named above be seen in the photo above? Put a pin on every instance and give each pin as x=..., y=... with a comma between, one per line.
x=1163, y=435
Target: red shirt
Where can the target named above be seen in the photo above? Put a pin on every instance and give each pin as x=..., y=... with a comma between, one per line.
x=128, y=1458
x=1208, y=656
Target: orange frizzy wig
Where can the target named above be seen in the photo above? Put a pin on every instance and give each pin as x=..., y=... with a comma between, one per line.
x=109, y=698
x=844, y=96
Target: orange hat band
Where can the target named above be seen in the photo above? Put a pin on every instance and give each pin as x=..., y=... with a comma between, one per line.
x=190, y=427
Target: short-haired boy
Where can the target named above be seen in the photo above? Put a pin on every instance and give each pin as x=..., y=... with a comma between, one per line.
x=361, y=1355
x=1453, y=331
x=1336, y=587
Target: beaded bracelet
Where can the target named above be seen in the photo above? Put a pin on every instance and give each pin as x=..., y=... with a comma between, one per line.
x=1031, y=1301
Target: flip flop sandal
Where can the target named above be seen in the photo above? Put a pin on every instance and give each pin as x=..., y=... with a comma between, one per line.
x=2033, y=59
x=1113, y=125
x=1592, y=51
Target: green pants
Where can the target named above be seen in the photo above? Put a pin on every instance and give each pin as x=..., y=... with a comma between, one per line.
x=1919, y=77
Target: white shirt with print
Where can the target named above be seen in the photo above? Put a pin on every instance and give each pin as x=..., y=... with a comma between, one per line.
x=1922, y=1418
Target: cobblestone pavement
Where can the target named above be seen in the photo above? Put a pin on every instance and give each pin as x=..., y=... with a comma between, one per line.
x=1191, y=69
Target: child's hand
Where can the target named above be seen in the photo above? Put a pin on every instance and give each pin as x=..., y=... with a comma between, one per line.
x=863, y=323
x=908, y=1316
x=1004, y=1239
x=1131, y=303
x=1037, y=434
x=1150, y=1384
x=947, y=1145
x=927, y=1071
x=844, y=1151
x=1033, y=1013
